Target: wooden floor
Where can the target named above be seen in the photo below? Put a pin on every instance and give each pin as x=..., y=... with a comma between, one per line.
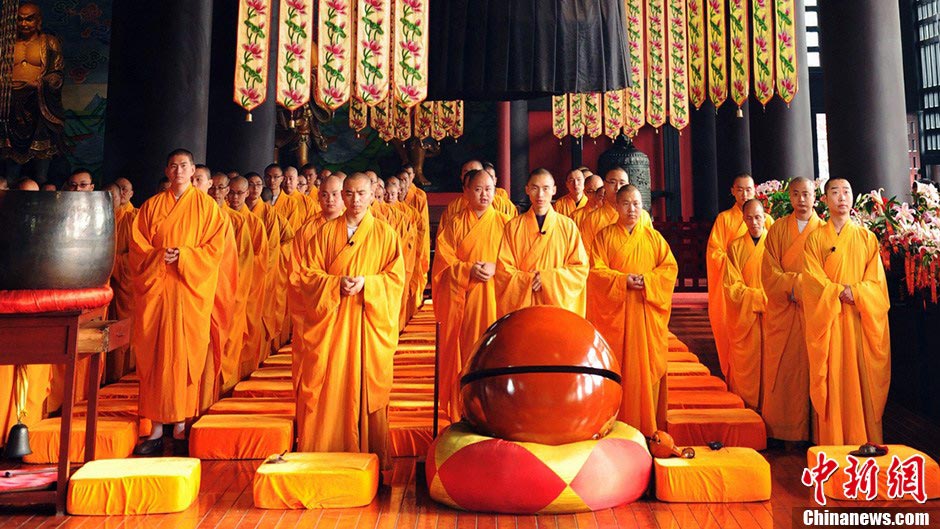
x=225, y=500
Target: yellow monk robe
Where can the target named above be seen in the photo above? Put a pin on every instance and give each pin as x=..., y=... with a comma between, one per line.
x=785, y=388
x=349, y=341
x=174, y=302
x=746, y=303
x=464, y=306
x=604, y=216
x=579, y=216
x=126, y=209
x=293, y=211
x=121, y=361
x=635, y=322
x=254, y=310
x=555, y=252
x=849, y=346
x=566, y=205
x=300, y=253
x=728, y=226
x=279, y=235
x=221, y=321
x=503, y=204
x=238, y=322
x=418, y=199
x=409, y=249
x=400, y=220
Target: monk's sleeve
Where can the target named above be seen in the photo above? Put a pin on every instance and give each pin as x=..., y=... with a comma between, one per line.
x=146, y=262
x=871, y=298
x=447, y=266
x=382, y=298
x=778, y=283
x=567, y=280
x=603, y=281
x=384, y=289
x=661, y=281
x=513, y=285
x=318, y=288
x=821, y=308
x=747, y=300
x=716, y=251
x=209, y=250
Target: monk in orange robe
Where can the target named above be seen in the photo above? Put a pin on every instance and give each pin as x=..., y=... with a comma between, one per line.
x=575, y=199
x=177, y=244
x=331, y=207
x=294, y=214
x=394, y=191
x=126, y=193
x=728, y=226
x=279, y=235
x=254, y=328
x=607, y=214
x=352, y=283
x=230, y=367
x=462, y=281
x=290, y=186
x=785, y=400
x=746, y=306
x=501, y=201
x=121, y=361
x=629, y=301
x=845, y=306
x=418, y=199
x=594, y=191
x=541, y=259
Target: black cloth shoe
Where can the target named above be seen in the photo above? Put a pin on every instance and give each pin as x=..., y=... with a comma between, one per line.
x=180, y=447
x=150, y=447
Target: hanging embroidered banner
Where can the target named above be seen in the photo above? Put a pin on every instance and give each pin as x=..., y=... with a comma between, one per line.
x=656, y=63
x=401, y=121
x=787, y=80
x=763, y=35
x=698, y=82
x=456, y=129
x=424, y=118
x=358, y=114
x=593, y=122
x=740, y=57
x=717, y=52
x=443, y=119
x=576, y=115
x=334, y=50
x=635, y=100
x=678, y=65
x=295, y=53
x=409, y=51
x=380, y=118
x=613, y=113
x=373, y=29
x=560, y=116
x=251, y=53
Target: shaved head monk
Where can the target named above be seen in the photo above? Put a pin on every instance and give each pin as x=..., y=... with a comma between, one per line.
x=746, y=303
x=594, y=191
x=279, y=234
x=417, y=199
x=575, y=199
x=608, y=212
x=353, y=281
x=462, y=280
x=785, y=388
x=541, y=259
x=127, y=192
x=408, y=230
x=121, y=362
x=728, y=226
x=629, y=301
x=27, y=184
x=176, y=249
x=202, y=178
x=845, y=306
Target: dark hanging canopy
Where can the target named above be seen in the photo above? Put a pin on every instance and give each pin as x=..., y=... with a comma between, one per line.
x=520, y=49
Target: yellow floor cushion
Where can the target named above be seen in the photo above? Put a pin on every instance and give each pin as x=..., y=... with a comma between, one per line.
x=731, y=474
x=240, y=436
x=675, y=369
x=681, y=356
x=272, y=373
x=274, y=389
x=254, y=406
x=709, y=398
x=134, y=486
x=114, y=438
x=732, y=427
x=278, y=360
x=315, y=481
x=120, y=390
x=696, y=383
x=834, y=486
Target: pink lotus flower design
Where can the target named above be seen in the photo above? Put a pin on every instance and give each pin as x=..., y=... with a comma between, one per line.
x=411, y=46
x=788, y=85
x=763, y=88
x=377, y=4
x=372, y=46
x=257, y=5
x=292, y=96
x=337, y=5
x=716, y=48
x=333, y=93
x=299, y=5
x=715, y=4
x=761, y=43
x=784, y=39
x=409, y=92
x=252, y=94
x=739, y=87
x=336, y=50
x=370, y=90
x=415, y=5
x=254, y=49
x=296, y=48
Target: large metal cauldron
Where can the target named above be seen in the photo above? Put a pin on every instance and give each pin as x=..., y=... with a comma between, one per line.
x=55, y=240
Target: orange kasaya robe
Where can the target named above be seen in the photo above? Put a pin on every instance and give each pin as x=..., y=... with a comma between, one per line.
x=344, y=386
x=408, y=230
x=254, y=309
x=566, y=205
x=464, y=306
x=785, y=386
x=221, y=321
x=849, y=346
x=745, y=307
x=238, y=323
x=555, y=252
x=728, y=226
x=634, y=322
x=37, y=377
x=300, y=253
x=293, y=211
x=279, y=235
x=503, y=204
x=174, y=301
x=418, y=199
x=604, y=216
x=121, y=361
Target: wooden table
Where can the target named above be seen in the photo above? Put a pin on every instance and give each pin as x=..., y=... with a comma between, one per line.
x=62, y=338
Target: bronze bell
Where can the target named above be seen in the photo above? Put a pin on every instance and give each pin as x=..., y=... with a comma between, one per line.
x=17, y=442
